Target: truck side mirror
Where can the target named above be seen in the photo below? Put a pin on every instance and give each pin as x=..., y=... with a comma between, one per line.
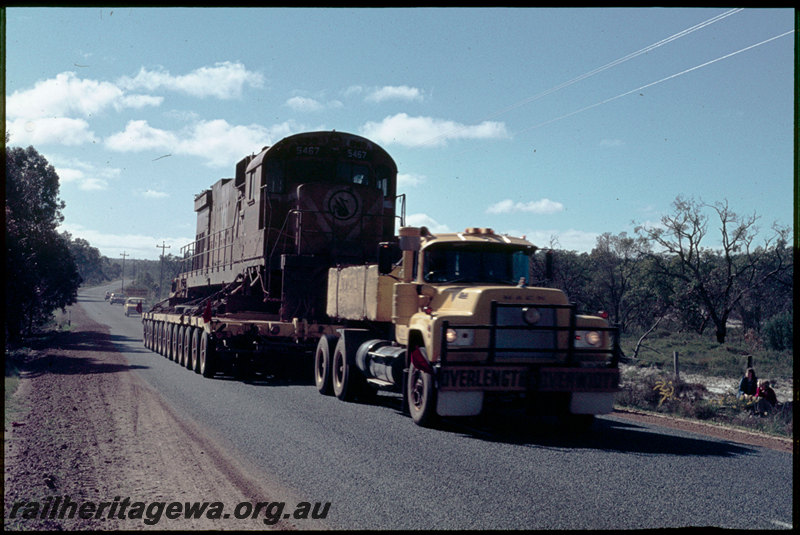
x=388, y=254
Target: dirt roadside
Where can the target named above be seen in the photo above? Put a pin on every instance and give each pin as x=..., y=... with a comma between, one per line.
x=93, y=431
x=717, y=431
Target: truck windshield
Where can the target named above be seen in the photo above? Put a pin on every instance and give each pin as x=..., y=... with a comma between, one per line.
x=475, y=263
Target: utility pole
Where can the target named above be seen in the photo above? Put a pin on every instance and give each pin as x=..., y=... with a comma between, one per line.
x=161, y=275
x=123, y=254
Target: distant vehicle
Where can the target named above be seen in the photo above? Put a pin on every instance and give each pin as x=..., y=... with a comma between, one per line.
x=116, y=297
x=108, y=295
x=134, y=306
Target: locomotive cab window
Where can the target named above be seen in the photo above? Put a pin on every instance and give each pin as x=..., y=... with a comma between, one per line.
x=274, y=176
x=352, y=173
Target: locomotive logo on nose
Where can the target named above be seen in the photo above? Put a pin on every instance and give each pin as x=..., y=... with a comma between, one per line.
x=343, y=205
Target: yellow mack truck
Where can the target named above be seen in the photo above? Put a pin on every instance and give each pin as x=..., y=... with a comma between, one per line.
x=450, y=321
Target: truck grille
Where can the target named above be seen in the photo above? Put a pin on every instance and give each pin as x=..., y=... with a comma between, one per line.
x=510, y=337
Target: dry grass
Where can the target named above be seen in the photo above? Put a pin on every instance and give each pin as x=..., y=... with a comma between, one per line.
x=652, y=390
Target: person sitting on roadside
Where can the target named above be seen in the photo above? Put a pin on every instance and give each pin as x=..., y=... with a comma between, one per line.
x=765, y=398
x=748, y=385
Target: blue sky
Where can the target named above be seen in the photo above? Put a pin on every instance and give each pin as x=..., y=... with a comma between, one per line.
x=557, y=124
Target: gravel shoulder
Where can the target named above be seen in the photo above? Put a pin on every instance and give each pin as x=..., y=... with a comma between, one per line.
x=717, y=431
x=91, y=430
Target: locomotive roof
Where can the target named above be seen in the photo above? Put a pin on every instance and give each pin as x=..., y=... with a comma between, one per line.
x=323, y=138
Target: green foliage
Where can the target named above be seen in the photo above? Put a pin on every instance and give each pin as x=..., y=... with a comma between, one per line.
x=41, y=274
x=778, y=332
x=87, y=259
x=702, y=354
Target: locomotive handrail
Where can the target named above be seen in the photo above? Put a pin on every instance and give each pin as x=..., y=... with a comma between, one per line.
x=209, y=252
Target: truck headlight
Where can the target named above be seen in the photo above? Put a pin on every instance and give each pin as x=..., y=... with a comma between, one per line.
x=588, y=338
x=531, y=315
x=459, y=337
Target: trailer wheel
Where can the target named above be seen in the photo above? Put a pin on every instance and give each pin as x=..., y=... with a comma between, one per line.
x=194, y=347
x=159, y=337
x=174, y=334
x=180, y=331
x=207, y=355
x=342, y=374
x=323, y=362
x=421, y=396
x=187, y=347
x=144, y=333
x=168, y=339
x=162, y=338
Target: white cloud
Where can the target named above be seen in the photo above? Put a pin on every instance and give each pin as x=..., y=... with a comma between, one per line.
x=138, y=135
x=140, y=101
x=224, y=80
x=84, y=175
x=45, y=131
x=424, y=220
x=427, y=131
x=64, y=95
x=219, y=143
x=569, y=240
x=543, y=206
x=93, y=184
x=408, y=180
x=304, y=104
x=152, y=194
x=388, y=92
x=136, y=246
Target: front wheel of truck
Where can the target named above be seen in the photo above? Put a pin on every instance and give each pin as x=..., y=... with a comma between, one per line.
x=421, y=396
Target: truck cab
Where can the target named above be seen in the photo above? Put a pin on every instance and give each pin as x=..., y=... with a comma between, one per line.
x=466, y=326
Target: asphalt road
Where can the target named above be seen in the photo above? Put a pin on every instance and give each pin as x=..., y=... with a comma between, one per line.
x=380, y=471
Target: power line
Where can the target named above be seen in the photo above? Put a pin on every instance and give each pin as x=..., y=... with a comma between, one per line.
x=598, y=70
x=651, y=84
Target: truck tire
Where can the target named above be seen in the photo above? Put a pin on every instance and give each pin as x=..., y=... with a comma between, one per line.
x=194, y=346
x=168, y=340
x=187, y=347
x=180, y=330
x=421, y=396
x=207, y=355
x=342, y=374
x=159, y=334
x=323, y=362
x=175, y=330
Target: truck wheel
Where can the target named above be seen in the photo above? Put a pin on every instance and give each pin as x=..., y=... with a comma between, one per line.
x=180, y=356
x=342, y=374
x=421, y=396
x=323, y=358
x=207, y=355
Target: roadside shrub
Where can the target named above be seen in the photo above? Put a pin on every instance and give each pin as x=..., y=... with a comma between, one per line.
x=778, y=332
x=651, y=390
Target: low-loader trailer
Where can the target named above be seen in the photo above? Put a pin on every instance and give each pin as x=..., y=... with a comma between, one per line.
x=296, y=257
